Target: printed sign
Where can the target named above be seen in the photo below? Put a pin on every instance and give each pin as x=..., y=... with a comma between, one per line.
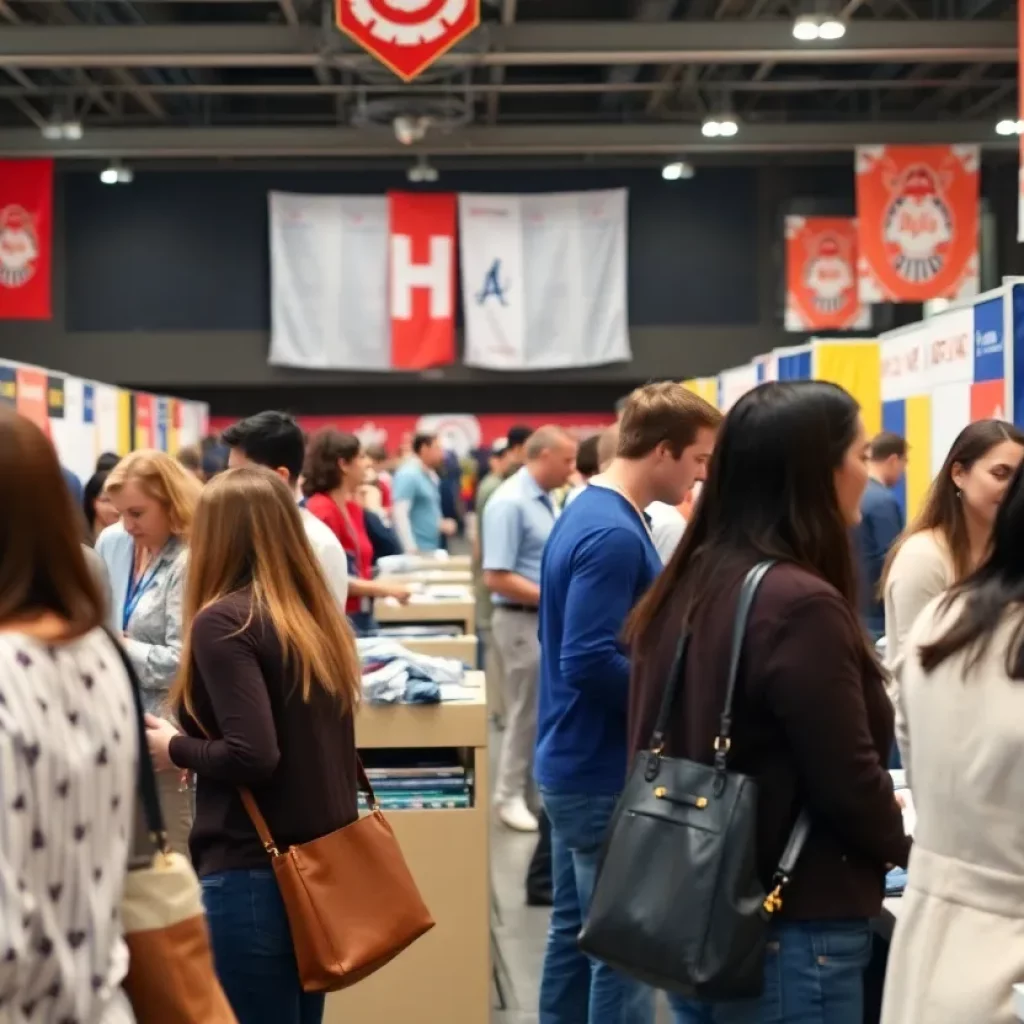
x=937, y=351
x=989, y=344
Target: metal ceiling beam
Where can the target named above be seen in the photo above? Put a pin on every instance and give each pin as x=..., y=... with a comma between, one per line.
x=494, y=140
x=27, y=88
x=497, y=74
x=523, y=43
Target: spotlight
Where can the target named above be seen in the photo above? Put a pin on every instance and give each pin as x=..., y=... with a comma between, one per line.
x=678, y=171
x=831, y=29
x=422, y=172
x=53, y=130
x=1008, y=127
x=109, y=175
x=57, y=128
x=116, y=174
x=72, y=130
x=727, y=127
x=806, y=28
x=710, y=129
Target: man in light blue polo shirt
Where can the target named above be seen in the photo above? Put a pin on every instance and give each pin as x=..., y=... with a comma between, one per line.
x=416, y=496
x=516, y=524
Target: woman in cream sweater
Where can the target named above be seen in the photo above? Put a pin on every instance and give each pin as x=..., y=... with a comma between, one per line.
x=958, y=947
x=952, y=533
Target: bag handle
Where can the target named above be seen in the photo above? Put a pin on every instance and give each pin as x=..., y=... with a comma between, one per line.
x=751, y=583
x=260, y=823
x=748, y=591
x=150, y=796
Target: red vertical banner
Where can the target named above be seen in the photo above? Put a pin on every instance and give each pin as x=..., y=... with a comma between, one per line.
x=421, y=279
x=32, y=397
x=26, y=239
x=821, y=275
x=917, y=219
x=144, y=421
x=988, y=400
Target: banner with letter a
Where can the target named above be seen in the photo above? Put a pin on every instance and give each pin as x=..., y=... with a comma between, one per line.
x=821, y=275
x=917, y=215
x=348, y=294
x=26, y=239
x=544, y=279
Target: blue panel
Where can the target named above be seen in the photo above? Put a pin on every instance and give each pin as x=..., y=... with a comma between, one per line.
x=989, y=342
x=1018, y=354
x=8, y=386
x=894, y=420
x=88, y=404
x=795, y=366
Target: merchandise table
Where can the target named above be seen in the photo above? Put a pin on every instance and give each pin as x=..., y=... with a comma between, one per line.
x=425, y=612
x=445, y=977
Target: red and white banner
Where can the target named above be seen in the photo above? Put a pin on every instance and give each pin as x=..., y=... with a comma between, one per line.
x=407, y=36
x=422, y=279
x=26, y=239
x=362, y=282
x=821, y=275
x=917, y=214
x=459, y=432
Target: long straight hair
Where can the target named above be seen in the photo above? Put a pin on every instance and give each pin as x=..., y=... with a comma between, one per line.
x=994, y=590
x=248, y=533
x=943, y=511
x=770, y=494
x=42, y=568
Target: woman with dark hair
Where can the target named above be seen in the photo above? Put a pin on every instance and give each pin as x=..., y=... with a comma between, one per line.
x=332, y=475
x=68, y=746
x=100, y=511
x=811, y=720
x=952, y=532
x=958, y=948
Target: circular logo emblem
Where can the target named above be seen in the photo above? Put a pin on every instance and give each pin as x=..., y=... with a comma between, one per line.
x=19, y=246
x=408, y=22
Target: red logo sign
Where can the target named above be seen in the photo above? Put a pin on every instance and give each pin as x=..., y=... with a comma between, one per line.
x=407, y=36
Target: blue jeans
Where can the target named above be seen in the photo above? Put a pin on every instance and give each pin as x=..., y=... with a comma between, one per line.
x=363, y=623
x=813, y=974
x=575, y=989
x=252, y=949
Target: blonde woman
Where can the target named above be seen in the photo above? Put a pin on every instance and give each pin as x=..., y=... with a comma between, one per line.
x=269, y=681
x=145, y=556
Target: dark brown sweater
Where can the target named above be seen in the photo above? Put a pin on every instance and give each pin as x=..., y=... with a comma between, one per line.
x=298, y=759
x=812, y=723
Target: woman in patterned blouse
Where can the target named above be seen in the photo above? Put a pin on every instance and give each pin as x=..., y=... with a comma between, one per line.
x=68, y=748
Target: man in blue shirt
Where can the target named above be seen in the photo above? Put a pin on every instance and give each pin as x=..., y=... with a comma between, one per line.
x=416, y=496
x=516, y=524
x=881, y=522
x=599, y=560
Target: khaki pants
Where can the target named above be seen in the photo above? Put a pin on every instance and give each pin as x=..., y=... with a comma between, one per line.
x=177, y=808
x=515, y=637
x=494, y=673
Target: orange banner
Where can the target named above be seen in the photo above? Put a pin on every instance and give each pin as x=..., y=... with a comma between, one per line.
x=32, y=397
x=821, y=275
x=917, y=214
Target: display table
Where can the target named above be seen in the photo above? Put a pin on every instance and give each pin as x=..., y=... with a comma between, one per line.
x=441, y=577
x=461, y=648
x=423, y=612
x=445, y=977
x=419, y=563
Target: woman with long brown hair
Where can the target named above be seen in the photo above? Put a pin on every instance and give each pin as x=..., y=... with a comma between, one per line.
x=811, y=721
x=68, y=749
x=145, y=555
x=269, y=680
x=952, y=533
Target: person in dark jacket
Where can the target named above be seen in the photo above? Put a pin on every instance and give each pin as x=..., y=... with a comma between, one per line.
x=812, y=723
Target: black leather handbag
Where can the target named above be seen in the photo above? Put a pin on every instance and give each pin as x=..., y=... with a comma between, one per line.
x=677, y=903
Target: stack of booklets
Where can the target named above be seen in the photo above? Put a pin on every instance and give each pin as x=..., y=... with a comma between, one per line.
x=419, y=787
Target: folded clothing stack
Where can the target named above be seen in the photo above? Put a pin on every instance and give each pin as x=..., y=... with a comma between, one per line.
x=394, y=675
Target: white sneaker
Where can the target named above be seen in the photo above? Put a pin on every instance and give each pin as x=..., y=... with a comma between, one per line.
x=516, y=815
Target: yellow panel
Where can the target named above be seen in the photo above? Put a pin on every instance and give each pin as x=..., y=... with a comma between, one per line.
x=919, y=438
x=705, y=387
x=124, y=422
x=856, y=366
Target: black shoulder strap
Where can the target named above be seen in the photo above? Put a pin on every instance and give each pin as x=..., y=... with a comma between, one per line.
x=748, y=591
x=668, y=696
x=148, y=793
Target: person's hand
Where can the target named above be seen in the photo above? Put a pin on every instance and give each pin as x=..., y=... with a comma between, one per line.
x=449, y=527
x=400, y=593
x=159, y=733
x=901, y=800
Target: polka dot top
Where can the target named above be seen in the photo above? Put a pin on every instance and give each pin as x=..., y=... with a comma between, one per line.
x=68, y=749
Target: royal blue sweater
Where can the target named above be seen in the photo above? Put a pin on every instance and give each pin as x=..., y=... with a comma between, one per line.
x=598, y=562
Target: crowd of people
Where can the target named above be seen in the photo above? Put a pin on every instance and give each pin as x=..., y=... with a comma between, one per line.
x=235, y=579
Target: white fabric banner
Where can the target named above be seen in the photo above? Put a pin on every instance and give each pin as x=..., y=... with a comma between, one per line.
x=328, y=282
x=544, y=279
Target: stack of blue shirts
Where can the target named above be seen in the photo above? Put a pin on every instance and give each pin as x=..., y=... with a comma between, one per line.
x=394, y=675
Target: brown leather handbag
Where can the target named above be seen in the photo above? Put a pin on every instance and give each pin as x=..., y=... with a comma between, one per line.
x=351, y=900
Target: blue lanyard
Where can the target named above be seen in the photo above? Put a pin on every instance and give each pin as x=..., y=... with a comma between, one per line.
x=136, y=588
